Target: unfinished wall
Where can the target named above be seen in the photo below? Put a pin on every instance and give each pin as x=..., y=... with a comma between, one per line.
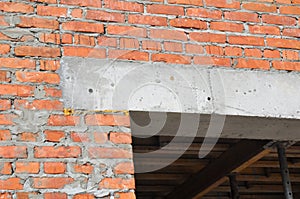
x=48, y=153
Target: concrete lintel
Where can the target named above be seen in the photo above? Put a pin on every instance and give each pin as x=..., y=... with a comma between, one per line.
x=96, y=84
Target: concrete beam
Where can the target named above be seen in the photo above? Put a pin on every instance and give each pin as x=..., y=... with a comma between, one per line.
x=95, y=84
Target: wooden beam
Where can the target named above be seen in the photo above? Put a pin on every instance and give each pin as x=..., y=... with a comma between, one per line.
x=235, y=159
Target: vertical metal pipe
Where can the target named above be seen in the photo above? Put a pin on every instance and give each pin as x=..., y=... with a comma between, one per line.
x=234, y=186
x=284, y=172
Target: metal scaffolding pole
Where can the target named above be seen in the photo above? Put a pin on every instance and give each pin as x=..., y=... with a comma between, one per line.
x=234, y=186
x=284, y=171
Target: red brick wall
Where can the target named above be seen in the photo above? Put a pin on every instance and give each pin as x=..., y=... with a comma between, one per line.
x=43, y=151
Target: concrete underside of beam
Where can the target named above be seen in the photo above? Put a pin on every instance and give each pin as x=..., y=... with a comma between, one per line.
x=252, y=104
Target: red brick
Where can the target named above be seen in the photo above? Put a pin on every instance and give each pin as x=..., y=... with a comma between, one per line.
x=17, y=63
x=128, y=55
x=5, y=168
x=188, y=23
x=54, y=167
x=271, y=54
x=291, y=32
x=151, y=45
x=117, y=183
x=28, y=137
x=281, y=20
x=194, y=48
x=253, y=63
x=105, y=16
x=107, y=120
x=107, y=41
x=26, y=195
x=260, y=7
x=55, y=196
x=51, y=183
x=19, y=90
x=226, y=26
x=52, y=11
x=52, y=92
x=83, y=26
x=50, y=38
x=233, y=51
x=123, y=5
x=57, y=152
x=291, y=55
x=214, y=50
x=54, y=136
x=16, y=7
x=50, y=65
x=80, y=137
x=83, y=196
x=241, y=16
x=109, y=153
x=171, y=58
x=37, y=51
x=212, y=61
x=13, y=152
x=4, y=49
x=283, y=43
x=268, y=30
x=86, y=3
x=5, y=135
x=34, y=22
x=126, y=30
x=208, y=37
x=27, y=167
x=5, y=105
x=120, y=138
x=186, y=2
x=3, y=23
x=76, y=13
x=223, y=4
x=37, y=77
x=165, y=9
x=253, y=52
x=168, y=34
x=66, y=38
x=150, y=20
x=100, y=137
x=291, y=66
x=11, y=184
x=84, y=40
x=293, y=10
x=173, y=46
x=39, y=105
x=7, y=119
x=62, y=120
x=124, y=168
x=129, y=195
x=129, y=43
x=6, y=196
x=204, y=13
x=83, y=168
x=84, y=52
x=246, y=40
x=4, y=77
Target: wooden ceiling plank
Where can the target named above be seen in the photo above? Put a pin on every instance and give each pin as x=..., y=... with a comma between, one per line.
x=235, y=159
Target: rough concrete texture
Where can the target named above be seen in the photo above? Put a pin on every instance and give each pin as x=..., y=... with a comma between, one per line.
x=117, y=85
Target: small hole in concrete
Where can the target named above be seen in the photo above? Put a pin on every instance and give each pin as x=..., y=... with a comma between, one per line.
x=91, y=90
x=208, y=98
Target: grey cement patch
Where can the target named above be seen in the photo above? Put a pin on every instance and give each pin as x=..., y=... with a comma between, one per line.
x=94, y=84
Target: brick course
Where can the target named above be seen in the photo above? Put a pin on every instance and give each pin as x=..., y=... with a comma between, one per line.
x=48, y=148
